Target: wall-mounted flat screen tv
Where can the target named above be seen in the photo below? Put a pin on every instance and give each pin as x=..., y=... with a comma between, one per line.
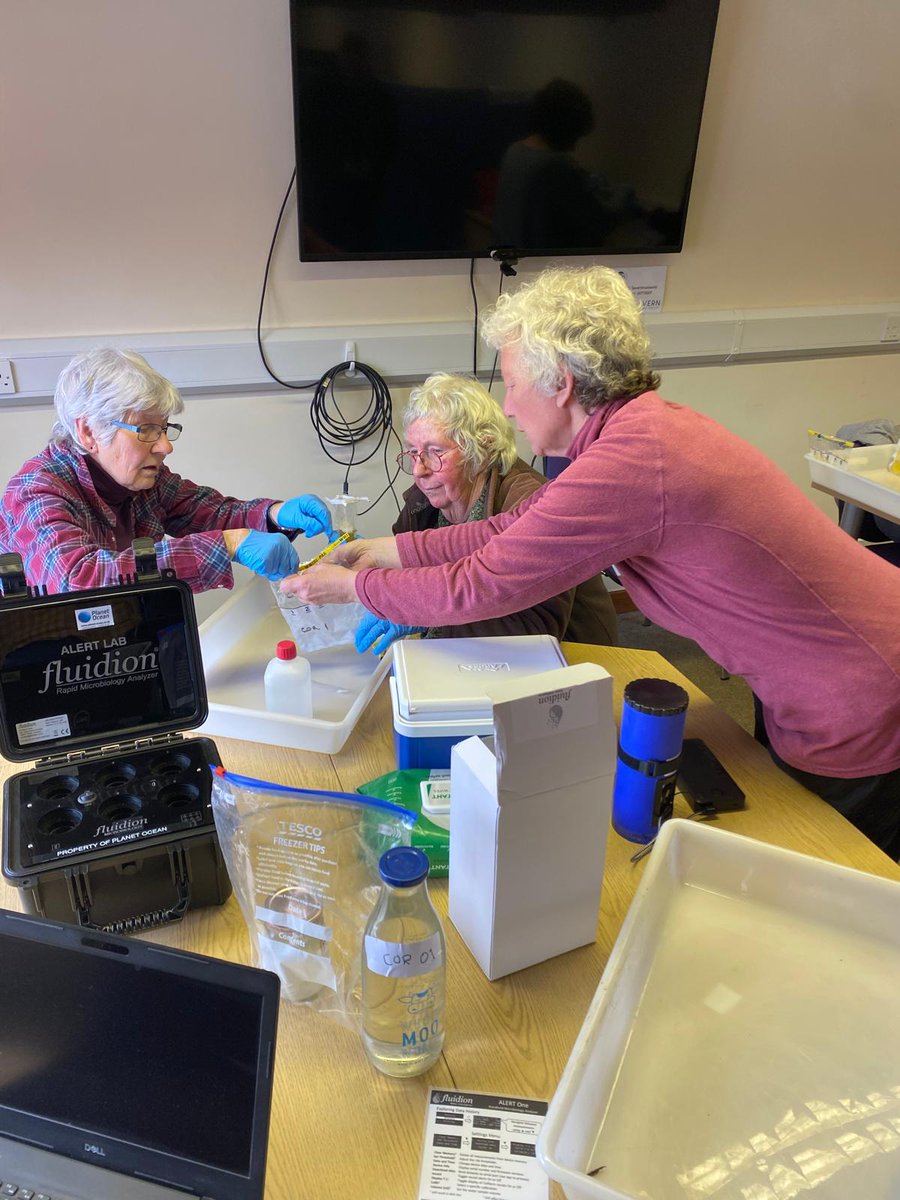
x=451, y=128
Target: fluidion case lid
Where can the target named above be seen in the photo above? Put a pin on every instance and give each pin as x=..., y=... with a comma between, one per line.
x=96, y=668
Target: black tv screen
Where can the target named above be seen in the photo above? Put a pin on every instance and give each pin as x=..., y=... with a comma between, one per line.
x=449, y=128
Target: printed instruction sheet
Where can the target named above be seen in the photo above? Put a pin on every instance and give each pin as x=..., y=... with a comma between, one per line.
x=482, y=1146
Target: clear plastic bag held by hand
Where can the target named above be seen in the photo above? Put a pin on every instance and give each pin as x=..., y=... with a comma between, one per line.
x=318, y=626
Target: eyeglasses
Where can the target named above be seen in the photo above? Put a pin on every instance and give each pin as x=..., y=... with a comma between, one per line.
x=151, y=433
x=431, y=460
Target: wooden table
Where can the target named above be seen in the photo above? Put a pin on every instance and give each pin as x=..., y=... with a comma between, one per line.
x=339, y=1128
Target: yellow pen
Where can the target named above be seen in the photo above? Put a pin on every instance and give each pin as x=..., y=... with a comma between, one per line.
x=339, y=540
x=828, y=437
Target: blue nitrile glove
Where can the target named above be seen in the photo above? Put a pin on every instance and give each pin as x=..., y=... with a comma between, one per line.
x=269, y=554
x=377, y=633
x=308, y=513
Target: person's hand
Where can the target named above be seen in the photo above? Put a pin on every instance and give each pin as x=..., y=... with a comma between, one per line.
x=376, y=634
x=322, y=584
x=308, y=513
x=269, y=554
x=354, y=555
x=367, y=552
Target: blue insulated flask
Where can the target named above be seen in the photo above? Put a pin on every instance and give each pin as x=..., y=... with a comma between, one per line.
x=653, y=716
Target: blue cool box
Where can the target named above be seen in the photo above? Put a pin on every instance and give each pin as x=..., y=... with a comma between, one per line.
x=436, y=692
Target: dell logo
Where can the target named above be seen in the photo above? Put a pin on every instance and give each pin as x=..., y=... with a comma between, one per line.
x=93, y=1148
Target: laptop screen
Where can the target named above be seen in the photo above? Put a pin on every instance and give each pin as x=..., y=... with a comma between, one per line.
x=139, y=1048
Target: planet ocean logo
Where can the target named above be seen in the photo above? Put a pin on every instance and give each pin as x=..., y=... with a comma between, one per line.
x=94, y=618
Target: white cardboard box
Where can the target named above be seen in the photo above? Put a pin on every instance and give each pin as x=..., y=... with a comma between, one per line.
x=529, y=820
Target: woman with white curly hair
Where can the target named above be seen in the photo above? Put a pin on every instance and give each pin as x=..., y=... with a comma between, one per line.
x=710, y=538
x=461, y=452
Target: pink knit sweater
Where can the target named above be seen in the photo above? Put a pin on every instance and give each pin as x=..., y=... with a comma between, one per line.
x=713, y=542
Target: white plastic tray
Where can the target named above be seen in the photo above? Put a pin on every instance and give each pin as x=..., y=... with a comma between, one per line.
x=865, y=480
x=743, y=1041
x=237, y=642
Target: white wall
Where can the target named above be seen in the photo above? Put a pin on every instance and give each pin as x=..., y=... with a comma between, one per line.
x=262, y=444
x=145, y=149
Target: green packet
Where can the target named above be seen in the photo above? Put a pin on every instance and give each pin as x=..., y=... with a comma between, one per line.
x=403, y=788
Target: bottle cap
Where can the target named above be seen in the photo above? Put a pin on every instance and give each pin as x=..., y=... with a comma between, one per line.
x=403, y=866
x=286, y=650
x=659, y=697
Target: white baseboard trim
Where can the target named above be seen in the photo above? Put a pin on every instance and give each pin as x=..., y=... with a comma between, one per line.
x=228, y=360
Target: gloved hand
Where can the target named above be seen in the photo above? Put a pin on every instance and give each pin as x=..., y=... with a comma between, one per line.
x=308, y=513
x=269, y=554
x=377, y=633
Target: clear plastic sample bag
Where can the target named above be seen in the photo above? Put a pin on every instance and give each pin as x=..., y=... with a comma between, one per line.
x=318, y=626
x=304, y=867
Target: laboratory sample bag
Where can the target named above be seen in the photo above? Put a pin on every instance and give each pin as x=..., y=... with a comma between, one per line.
x=304, y=868
x=318, y=626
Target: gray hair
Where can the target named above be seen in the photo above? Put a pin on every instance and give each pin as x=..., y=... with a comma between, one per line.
x=469, y=416
x=585, y=320
x=106, y=385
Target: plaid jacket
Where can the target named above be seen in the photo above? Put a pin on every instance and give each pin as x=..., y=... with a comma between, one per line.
x=65, y=533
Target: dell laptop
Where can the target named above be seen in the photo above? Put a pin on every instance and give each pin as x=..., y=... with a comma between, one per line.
x=130, y=1071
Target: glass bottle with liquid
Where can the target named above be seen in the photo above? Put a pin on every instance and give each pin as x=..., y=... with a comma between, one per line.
x=288, y=682
x=403, y=969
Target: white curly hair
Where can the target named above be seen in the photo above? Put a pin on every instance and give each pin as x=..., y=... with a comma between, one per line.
x=585, y=320
x=469, y=416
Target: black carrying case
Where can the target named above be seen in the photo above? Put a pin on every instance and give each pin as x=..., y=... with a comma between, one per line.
x=112, y=828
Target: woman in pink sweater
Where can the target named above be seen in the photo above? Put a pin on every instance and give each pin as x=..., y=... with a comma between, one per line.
x=710, y=538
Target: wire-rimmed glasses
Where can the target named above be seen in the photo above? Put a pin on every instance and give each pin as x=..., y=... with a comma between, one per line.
x=152, y=433
x=431, y=459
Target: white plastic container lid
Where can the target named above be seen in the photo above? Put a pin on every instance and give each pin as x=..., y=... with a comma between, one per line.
x=443, y=675
x=435, y=792
x=433, y=725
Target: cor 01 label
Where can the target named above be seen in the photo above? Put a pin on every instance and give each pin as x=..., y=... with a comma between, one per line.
x=402, y=960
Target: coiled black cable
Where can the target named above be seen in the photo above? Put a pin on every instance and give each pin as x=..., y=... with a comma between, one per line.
x=374, y=421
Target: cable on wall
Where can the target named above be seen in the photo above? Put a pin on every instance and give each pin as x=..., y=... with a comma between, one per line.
x=506, y=271
x=475, y=317
x=262, y=296
x=505, y=259
x=339, y=431
x=376, y=420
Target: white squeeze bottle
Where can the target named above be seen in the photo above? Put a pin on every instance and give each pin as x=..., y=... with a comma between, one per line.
x=288, y=682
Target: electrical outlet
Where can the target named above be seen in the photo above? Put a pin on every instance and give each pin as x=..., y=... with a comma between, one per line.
x=890, y=331
x=8, y=380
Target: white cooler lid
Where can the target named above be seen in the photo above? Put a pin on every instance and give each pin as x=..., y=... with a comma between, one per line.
x=445, y=675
